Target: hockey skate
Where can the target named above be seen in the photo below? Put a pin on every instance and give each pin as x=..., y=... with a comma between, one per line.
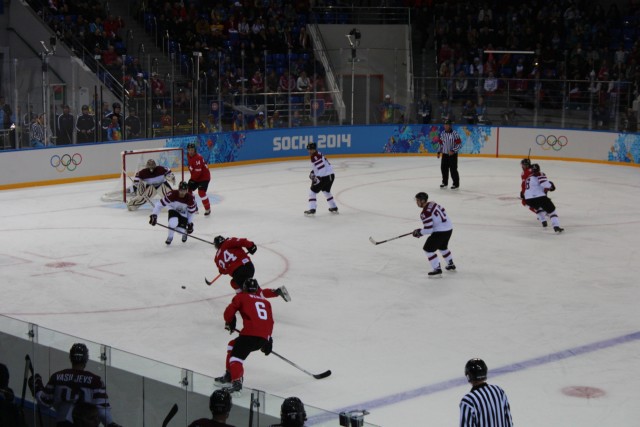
x=224, y=379
x=544, y=224
x=184, y=238
x=443, y=185
x=455, y=187
x=207, y=212
x=558, y=229
x=235, y=388
x=310, y=212
x=333, y=210
x=450, y=267
x=282, y=291
x=169, y=240
x=435, y=273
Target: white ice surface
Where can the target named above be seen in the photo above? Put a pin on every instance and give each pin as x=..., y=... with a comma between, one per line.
x=395, y=340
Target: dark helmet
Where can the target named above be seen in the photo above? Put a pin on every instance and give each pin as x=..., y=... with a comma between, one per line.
x=220, y=402
x=525, y=163
x=447, y=122
x=218, y=240
x=250, y=285
x=191, y=145
x=292, y=413
x=116, y=105
x=183, y=186
x=312, y=146
x=535, y=168
x=79, y=353
x=475, y=370
x=422, y=196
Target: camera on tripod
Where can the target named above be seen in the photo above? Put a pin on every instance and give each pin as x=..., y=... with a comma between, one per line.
x=353, y=418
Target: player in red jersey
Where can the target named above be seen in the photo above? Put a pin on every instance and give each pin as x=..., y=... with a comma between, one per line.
x=148, y=182
x=68, y=387
x=526, y=172
x=182, y=206
x=257, y=327
x=232, y=259
x=200, y=176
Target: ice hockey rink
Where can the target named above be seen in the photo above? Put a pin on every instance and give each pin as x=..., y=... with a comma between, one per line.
x=554, y=316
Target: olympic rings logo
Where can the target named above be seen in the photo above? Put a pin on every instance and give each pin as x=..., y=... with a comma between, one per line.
x=551, y=141
x=66, y=161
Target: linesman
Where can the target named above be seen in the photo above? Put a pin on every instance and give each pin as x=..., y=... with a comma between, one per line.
x=449, y=143
x=486, y=405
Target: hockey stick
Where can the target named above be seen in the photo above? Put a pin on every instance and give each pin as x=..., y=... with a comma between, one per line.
x=172, y=412
x=388, y=240
x=320, y=376
x=25, y=380
x=210, y=282
x=33, y=392
x=187, y=234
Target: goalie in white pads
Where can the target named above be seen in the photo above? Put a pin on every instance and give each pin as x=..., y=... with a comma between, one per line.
x=182, y=206
x=148, y=182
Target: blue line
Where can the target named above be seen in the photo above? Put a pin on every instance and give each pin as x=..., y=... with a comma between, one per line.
x=449, y=384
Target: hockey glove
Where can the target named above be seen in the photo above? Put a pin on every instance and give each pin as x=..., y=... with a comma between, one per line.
x=252, y=249
x=266, y=349
x=153, y=219
x=192, y=185
x=35, y=384
x=190, y=228
x=553, y=187
x=231, y=326
x=417, y=232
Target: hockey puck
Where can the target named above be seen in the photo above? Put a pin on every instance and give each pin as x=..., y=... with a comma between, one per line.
x=184, y=287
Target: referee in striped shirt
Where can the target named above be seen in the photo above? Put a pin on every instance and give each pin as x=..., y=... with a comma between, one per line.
x=486, y=405
x=449, y=144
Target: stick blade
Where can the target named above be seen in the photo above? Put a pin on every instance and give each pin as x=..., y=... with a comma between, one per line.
x=372, y=241
x=172, y=412
x=323, y=375
x=208, y=282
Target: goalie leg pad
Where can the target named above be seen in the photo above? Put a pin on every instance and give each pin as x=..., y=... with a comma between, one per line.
x=135, y=202
x=165, y=189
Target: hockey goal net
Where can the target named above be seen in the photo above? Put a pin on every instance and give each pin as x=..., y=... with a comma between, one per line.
x=133, y=161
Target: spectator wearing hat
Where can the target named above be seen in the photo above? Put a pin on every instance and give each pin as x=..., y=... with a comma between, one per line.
x=64, y=127
x=86, y=126
x=260, y=121
x=388, y=110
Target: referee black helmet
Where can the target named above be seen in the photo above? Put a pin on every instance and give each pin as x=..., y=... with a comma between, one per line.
x=475, y=370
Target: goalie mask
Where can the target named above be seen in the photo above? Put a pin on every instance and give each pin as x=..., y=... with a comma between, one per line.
x=475, y=370
x=151, y=165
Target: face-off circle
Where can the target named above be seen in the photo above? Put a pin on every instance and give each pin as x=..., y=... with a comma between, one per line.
x=583, y=391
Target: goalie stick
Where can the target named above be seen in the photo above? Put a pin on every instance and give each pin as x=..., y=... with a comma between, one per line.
x=388, y=240
x=172, y=412
x=319, y=376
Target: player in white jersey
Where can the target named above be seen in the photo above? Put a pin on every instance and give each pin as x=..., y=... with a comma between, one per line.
x=322, y=178
x=535, y=188
x=526, y=171
x=182, y=206
x=437, y=223
x=148, y=182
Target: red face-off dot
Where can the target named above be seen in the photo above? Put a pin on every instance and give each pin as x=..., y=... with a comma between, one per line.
x=583, y=391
